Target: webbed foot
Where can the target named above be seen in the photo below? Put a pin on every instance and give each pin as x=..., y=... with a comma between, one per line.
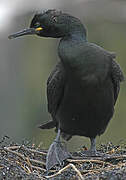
x=89, y=153
x=57, y=153
x=92, y=152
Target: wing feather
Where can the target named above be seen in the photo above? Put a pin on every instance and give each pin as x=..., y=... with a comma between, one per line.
x=117, y=77
x=55, y=91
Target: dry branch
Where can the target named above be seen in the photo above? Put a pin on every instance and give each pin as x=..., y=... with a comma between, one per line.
x=66, y=167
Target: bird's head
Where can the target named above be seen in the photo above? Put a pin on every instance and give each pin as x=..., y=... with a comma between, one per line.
x=52, y=23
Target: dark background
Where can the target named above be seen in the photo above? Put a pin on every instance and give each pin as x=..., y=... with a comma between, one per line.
x=26, y=62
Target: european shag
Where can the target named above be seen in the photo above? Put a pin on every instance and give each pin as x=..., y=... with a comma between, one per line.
x=83, y=87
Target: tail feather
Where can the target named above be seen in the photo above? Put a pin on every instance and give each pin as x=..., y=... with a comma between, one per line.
x=48, y=125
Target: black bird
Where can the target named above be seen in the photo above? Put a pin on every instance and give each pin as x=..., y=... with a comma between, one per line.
x=83, y=87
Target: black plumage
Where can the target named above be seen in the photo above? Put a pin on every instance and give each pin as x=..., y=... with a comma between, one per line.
x=109, y=85
x=83, y=87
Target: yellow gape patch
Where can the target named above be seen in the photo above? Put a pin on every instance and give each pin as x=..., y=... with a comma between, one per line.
x=39, y=29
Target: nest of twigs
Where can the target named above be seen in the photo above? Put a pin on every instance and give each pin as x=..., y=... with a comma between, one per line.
x=27, y=162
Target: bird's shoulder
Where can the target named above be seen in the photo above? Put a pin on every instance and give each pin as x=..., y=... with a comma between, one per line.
x=82, y=51
x=115, y=69
x=94, y=49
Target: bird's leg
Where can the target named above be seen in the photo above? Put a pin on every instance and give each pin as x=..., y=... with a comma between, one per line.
x=57, y=153
x=92, y=151
x=93, y=146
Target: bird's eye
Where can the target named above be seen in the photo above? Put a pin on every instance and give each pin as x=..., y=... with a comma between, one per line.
x=37, y=24
x=54, y=19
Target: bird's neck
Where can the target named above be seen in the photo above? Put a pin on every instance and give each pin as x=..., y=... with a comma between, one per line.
x=70, y=47
x=76, y=37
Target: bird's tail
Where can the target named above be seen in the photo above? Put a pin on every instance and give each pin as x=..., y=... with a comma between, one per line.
x=48, y=125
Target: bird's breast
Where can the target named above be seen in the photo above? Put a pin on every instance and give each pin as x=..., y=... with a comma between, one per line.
x=83, y=61
x=85, y=108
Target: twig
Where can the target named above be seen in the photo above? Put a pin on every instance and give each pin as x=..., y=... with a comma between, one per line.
x=14, y=152
x=37, y=161
x=85, y=160
x=38, y=168
x=90, y=171
x=35, y=151
x=14, y=147
x=23, y=157
x=29, y=163
x=99, y=170
x=102, y=159
x=63, y=169
x=115, y=157
x=26, y=169
x=27, y=149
